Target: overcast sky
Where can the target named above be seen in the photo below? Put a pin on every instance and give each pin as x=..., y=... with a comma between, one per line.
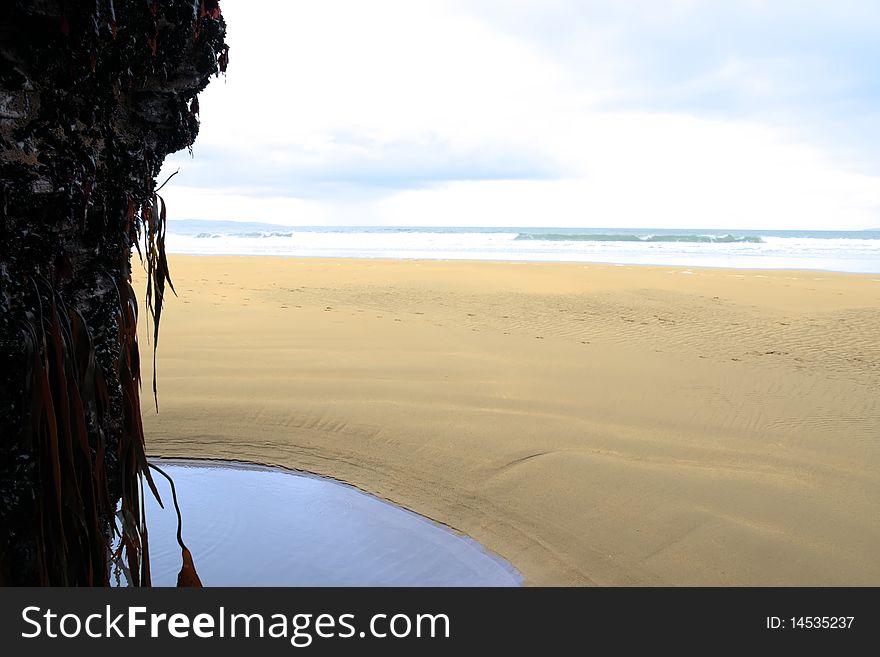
x=639, y=113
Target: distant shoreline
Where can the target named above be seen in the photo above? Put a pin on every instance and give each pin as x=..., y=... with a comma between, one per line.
x=846, y=251
x=585, y=263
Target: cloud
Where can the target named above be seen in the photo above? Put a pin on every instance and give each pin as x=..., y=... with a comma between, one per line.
x=715, y=181
x=672, y=113
x=354, y=162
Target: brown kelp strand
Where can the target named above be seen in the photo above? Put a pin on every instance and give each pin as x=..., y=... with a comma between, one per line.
x=154, y=217
x=64, y=398
x=187, y=575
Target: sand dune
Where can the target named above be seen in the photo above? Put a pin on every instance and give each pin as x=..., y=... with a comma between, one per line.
x=591, y=424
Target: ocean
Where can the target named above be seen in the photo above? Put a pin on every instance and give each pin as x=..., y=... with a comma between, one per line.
x=844, y=251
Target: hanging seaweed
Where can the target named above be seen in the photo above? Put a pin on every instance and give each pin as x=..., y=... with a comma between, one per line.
x=93, y=96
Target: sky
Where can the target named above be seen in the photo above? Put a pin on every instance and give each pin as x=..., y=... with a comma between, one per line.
x=750, y=114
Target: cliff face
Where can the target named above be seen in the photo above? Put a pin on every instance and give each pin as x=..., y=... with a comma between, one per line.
x=93, y=96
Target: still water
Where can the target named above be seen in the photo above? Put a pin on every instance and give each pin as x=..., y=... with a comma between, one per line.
x=249, y=525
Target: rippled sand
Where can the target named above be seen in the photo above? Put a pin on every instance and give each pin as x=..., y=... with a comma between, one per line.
x=591, y=424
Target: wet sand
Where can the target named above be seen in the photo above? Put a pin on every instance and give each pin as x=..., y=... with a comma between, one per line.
x=591, y=424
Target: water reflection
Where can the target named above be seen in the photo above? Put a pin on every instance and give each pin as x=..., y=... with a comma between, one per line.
x=255, y=526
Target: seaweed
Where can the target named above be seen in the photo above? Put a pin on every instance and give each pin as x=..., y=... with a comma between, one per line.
x=187, y=577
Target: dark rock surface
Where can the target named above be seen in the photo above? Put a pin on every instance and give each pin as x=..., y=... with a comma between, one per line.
x=93, y=96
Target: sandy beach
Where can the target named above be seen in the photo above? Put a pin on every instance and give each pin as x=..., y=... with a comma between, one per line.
x=592, y=424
